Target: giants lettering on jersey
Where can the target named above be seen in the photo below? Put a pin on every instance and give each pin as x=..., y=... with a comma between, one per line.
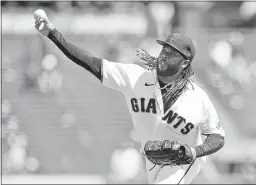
x=142, y=106
x=171, y=116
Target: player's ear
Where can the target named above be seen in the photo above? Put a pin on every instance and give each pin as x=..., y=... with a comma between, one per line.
x=185, y=64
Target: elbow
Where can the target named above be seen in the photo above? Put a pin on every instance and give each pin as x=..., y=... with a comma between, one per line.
x=222, y=143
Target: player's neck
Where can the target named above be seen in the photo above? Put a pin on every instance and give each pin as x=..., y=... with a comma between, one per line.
x=169, y=79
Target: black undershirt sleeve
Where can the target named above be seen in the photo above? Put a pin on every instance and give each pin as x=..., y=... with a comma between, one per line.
x=78, y=55
x=212, y=144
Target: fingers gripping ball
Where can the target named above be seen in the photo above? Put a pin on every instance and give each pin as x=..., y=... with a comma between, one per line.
x=40, y=16
x=168, y=153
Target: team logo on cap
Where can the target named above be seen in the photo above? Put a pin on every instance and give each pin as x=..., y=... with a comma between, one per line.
x=177, y=36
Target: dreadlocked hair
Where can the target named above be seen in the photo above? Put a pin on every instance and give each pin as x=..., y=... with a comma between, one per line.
x=176, y=87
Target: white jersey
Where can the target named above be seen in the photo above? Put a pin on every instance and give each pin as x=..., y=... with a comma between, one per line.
x=189, y=117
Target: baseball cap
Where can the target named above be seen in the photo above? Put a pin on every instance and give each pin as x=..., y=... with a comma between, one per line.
x=183, y=44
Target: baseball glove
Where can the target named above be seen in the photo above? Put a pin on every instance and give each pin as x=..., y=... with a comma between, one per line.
x=168, y=153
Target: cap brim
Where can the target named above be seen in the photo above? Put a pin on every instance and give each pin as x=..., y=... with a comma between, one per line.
x=166, y=43
x=162, y=42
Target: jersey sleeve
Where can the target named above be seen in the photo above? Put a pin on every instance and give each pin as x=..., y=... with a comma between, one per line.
x=211, y=123
x=120, y=76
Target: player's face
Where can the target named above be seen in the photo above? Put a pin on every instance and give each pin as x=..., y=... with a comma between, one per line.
x=169, y=61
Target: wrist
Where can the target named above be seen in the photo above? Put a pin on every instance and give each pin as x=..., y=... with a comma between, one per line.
x=51, y=33
x=51, y=26
x=193, y=151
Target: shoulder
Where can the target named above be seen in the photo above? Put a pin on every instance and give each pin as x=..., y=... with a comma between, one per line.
x=198, y=92
x=123, y=66
x=126, y=73
x=205, y=100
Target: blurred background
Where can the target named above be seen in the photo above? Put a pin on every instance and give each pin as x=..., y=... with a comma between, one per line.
x=60, y=125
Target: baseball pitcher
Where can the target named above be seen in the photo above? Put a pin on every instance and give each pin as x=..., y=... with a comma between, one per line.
x=170, y=112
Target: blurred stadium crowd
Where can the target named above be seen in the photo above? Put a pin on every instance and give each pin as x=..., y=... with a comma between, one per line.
x=58, y=119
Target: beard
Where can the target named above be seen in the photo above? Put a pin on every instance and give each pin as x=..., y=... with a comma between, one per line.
x=166, y=70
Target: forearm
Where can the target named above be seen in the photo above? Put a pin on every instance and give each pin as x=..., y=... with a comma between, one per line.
x=212, y=144
x=78, y=55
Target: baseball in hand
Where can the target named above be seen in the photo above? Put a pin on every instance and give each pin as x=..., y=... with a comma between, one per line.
x=39, y=15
